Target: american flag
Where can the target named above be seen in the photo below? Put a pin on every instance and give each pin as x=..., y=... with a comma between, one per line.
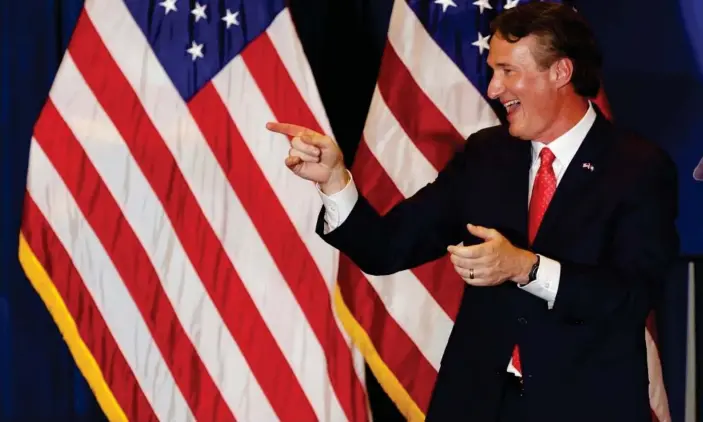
x=176, y=252
x=173, y=247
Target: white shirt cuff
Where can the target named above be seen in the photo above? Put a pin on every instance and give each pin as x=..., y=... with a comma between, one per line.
x=339, y=205
x=546, y=284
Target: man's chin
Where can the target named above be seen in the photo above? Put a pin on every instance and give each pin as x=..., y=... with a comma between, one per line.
x=516, y=132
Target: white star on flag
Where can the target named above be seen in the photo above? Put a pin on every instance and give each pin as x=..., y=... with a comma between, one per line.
x=199, y=11
x=231, y=18
x=168, y=5
x=445, y=4
x=482, y=43
x=509, y=4
x=482, y=4
x=196, y=50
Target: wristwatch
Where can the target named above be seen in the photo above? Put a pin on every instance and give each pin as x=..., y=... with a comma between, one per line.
x=533, y=272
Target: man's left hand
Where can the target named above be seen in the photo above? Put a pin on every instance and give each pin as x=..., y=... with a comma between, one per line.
x=492, y=262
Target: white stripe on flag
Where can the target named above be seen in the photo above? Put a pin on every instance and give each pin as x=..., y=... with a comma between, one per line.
x=404, y=296
x=105, y=286
x=219, y=204
x=442, y=81
x=283, y=37
x=250, y=112
x=402, y=293
x=395, y=151
x=293, y=57
x=416, y=311
x=145, y=214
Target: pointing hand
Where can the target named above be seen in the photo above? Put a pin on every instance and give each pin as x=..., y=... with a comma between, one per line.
x=314, y=156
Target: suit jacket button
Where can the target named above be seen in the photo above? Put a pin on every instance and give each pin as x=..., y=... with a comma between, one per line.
x=522, y=321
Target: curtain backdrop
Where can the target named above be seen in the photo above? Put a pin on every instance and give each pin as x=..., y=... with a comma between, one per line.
x=38, y=380
x=652, y=80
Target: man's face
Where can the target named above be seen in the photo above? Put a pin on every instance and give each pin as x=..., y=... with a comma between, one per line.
x=528, y=92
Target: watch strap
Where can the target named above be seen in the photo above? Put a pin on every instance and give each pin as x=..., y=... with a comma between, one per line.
x=533, y=271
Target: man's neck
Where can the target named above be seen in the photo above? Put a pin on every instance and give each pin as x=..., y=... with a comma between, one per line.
x=569, y=115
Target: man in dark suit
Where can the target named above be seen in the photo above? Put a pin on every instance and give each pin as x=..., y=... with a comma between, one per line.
x=561, y=225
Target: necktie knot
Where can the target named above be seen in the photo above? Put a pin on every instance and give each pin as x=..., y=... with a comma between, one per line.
x=547, y=156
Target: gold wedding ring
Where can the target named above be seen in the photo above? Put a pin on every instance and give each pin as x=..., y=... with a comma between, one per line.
x=471, y=273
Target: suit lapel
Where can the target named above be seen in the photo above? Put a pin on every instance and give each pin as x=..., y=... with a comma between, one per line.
x=579, y=175
x=514, y=189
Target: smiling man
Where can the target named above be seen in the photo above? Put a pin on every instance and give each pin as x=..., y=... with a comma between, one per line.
x=562, y=226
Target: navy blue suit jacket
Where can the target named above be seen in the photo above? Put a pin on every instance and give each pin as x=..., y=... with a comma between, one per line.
x=613, y=231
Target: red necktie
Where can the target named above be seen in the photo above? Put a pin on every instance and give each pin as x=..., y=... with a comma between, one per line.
x=542, y=192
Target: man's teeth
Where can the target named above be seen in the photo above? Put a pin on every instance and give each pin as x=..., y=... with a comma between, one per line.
x=510, y=104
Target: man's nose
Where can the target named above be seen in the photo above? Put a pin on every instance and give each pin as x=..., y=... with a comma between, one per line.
x=495, y=88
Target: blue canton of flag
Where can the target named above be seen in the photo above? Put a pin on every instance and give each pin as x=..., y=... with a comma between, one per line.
x=195, y=40
x=462, y=30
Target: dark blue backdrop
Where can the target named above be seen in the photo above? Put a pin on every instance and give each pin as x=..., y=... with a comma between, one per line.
x=653, y=79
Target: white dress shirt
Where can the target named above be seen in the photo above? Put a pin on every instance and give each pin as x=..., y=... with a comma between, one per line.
x=339, y=205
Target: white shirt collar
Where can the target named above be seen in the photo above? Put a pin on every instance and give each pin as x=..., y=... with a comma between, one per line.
x=565, y=146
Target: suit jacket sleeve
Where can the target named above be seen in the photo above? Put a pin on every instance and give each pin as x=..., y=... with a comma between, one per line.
x=416, y=230
x=644, y=245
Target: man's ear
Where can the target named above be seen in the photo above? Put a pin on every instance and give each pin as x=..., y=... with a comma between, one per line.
x=561, y=71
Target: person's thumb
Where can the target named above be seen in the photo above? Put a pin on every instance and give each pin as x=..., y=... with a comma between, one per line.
x=482, y=232
x=295, y=164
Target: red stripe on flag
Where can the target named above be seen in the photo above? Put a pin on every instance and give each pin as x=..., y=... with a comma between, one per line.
x=419, y=117
x=393, y=345
x=292, y=257
x=601, y=101
x=197, y=237
x=276, y=85
x=131, y=262
x=438, y=277
x=92, y=327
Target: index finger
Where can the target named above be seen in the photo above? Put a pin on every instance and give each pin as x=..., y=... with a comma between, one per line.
x=289, y=129
x=474, y=251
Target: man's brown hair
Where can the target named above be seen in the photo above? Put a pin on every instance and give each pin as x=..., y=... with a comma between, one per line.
x=561, y=32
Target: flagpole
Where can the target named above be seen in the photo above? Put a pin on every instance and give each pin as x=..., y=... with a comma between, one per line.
x=691, y=396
